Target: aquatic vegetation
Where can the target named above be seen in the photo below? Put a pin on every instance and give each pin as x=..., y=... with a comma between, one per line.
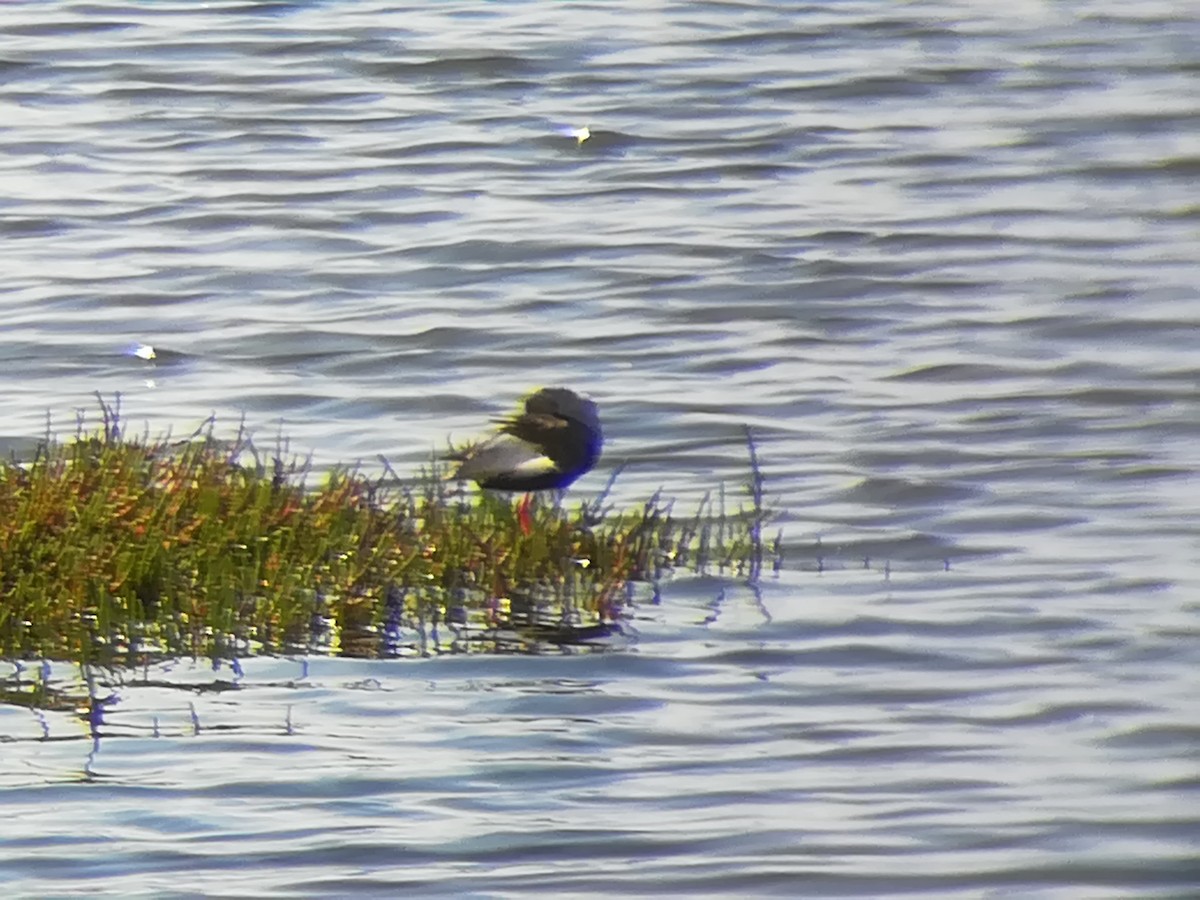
x=114, y=549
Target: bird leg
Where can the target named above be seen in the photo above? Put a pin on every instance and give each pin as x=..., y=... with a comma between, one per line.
x=525, y=515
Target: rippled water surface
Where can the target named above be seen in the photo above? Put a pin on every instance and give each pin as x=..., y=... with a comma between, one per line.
x=941, y=255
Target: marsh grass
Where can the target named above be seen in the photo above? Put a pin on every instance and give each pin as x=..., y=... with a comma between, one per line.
x=115, y=549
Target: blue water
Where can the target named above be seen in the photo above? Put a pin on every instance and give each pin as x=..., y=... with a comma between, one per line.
x=941, y=256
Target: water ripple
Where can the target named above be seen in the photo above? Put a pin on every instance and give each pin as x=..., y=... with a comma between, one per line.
x=941, y=257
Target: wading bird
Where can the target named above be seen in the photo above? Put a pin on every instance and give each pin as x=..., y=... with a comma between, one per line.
x=555, y=440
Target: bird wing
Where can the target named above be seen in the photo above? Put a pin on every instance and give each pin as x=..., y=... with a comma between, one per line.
x=504, y=454
x=535, y=429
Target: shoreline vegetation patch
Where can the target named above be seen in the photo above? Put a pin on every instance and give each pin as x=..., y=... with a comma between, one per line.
x=115, y=550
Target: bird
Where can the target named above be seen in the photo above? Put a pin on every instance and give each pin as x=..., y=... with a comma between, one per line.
x=546, y=447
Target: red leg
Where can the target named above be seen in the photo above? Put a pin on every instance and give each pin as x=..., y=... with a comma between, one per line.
x=525, y=515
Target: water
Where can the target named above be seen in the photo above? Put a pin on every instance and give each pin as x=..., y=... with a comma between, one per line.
x=942, y=257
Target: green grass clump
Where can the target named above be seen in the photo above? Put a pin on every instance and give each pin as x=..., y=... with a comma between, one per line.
x=112, y=548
